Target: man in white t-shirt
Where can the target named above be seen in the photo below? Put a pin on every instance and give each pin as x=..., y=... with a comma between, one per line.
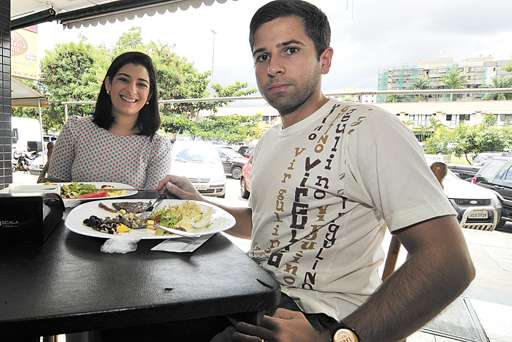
x=327, y=183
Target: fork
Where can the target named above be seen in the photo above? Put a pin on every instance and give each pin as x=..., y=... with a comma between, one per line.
x=152, y=206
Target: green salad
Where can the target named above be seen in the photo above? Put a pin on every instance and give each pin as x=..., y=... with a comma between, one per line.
x=73, y=190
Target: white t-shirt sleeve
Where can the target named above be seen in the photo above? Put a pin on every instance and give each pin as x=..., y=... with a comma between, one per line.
x=388, y=172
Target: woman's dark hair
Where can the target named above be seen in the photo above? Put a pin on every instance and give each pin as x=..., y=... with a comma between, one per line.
x=316, y=24
x=148, y=120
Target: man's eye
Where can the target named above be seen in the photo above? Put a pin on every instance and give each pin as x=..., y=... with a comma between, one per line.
x=261, y=58
x=290, y=50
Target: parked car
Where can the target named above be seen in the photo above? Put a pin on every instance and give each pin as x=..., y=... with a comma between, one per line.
x=477, y=207
x=465, y=172
x=481, y=158
x=232, y=161
x=200, y=163
x=496, y=174
x=246, y=151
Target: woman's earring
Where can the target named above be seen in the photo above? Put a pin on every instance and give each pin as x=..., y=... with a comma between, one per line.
x=108, y=92
x=147, y=102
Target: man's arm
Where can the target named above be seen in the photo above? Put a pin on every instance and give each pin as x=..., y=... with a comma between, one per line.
x=437, y=270
x=182, y=188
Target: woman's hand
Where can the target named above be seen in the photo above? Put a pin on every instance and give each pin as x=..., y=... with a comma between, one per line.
x=284, y=326
x=180, y=187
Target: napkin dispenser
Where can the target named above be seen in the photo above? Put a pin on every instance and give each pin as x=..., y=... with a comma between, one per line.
x=29, y=217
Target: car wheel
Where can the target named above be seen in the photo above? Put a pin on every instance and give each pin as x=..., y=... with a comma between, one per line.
x=236, y=172
x=243, y=190
x=500, y=224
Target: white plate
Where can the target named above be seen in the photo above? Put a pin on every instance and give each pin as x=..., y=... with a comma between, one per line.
x=73, y=202
x=221, y=220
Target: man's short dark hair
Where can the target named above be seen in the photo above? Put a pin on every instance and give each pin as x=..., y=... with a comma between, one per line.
x=315, y=21
x=148, y=121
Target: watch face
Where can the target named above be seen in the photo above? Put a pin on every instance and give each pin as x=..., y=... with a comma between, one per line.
x=344, y=335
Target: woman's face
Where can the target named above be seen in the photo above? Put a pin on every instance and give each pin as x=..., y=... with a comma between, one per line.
x=129, y=90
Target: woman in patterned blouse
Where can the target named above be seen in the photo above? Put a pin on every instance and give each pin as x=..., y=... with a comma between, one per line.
x=119, y=143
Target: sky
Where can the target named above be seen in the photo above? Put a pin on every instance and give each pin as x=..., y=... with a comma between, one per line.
x=368, y=36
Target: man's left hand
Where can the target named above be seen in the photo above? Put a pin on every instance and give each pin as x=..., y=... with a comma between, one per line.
x=284, y=326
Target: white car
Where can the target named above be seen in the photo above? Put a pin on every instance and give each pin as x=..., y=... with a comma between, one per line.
x=476, y=206
x=201, y=164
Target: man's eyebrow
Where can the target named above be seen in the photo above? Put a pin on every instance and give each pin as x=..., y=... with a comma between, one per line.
x=257, y=51
x=289, y=42
x=286, y=43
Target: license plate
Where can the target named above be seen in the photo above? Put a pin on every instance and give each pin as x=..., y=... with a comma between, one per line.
x=201, y=186
x=478, y=214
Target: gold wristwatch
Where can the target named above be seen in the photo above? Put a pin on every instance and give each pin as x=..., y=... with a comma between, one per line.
x=340, y=332
x=345, y=335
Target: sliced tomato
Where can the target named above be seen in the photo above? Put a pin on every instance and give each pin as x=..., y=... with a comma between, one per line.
x=98, y=194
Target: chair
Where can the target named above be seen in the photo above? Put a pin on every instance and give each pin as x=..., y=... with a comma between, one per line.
x=42, y=175
x=440, y=170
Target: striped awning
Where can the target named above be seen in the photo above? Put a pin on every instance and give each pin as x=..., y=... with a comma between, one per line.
x=78, y=13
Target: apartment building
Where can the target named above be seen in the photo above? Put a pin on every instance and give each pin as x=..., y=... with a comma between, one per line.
x=476, y=72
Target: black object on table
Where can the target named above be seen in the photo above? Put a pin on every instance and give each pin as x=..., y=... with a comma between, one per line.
x=67, y=285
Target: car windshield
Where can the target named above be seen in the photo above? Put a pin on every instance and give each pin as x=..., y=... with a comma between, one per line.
x=231, y=153
x=490, y=169
x=195, y=154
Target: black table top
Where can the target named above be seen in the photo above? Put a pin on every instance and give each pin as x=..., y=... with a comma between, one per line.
x=68, y=285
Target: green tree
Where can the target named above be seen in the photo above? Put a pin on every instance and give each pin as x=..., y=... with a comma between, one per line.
x=490, y=120
x=500, y=83
x=395, y=98
x=453, y=80
x=509, y=67
x=69, y=72
x=422, y=83
x=466, y=141
x=441, y=141
x=490, y=139
x=229, y=129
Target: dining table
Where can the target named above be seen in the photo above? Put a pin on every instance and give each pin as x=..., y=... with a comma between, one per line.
x=67, y=285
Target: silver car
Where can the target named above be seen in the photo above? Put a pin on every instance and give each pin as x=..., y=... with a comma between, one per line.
x=476, y=206
x=201, y=164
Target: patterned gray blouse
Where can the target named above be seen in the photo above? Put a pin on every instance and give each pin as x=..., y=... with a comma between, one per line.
x=85, y=152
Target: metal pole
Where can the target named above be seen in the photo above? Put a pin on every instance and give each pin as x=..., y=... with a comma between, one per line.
x=65, y=112
x=213, y=52
x=40, y=125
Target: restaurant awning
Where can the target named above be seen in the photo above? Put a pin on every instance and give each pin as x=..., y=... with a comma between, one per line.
x=79, y=13
x=24, y=96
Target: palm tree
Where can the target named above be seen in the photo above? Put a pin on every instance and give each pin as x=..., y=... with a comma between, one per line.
x=422, y=83
x=500, y=83
x=453, y=80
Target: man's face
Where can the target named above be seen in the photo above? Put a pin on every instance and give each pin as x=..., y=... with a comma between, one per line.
x=287, y=69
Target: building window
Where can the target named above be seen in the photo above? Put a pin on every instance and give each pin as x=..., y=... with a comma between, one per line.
x=464, y=117
x=448, y=117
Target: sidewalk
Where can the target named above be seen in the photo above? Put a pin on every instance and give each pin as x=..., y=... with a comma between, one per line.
x=490, y=294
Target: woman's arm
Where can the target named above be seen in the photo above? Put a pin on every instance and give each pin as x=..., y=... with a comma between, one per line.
x=159, y=163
